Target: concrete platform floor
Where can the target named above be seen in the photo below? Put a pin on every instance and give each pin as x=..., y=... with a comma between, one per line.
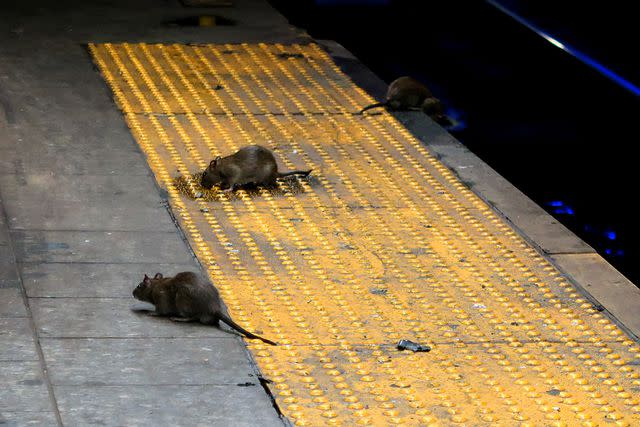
x=81, y=220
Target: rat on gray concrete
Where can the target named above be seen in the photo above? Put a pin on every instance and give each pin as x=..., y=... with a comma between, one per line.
x=251, y=164
x=407, y=93
x=187, y=297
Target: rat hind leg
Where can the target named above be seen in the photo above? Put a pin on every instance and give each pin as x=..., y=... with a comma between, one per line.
x=208, y=319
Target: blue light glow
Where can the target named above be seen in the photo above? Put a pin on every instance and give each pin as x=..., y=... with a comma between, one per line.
x=571, y=51
x=457, y=119
x=611, y=235
x=564, y=211
x=556, y=203
x=607, y=251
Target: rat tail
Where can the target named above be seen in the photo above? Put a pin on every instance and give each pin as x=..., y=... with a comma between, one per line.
x=226, y=319
x=376, y=105
x=303, y=173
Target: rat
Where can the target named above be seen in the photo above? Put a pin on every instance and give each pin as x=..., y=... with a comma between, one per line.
x=407, y=93
x=187, y=297
x=251, y=164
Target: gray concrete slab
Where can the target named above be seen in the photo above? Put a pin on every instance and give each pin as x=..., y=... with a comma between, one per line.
x=8, y=269
x=91, y=280
x=83, y=202
x=25, y=419
x=23, y=388
x=16, y=339
x=107, y=247
x=26, y=66
x=4, y=233
x=606, y=284
x=11, y=303
x=42, y=137
x=156, y=361
x=109, y=317
x=223, y=406
x=67, y=160
x=144, y=21
x=24, y=152
x=6, y=255
x=39, y=119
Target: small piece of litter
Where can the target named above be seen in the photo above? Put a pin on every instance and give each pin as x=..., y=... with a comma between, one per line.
x=410, y=345
x=478, y=306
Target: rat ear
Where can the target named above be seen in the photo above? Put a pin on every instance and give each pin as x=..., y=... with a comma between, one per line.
x=146, y=279
x=215, y=161
x=158, y=276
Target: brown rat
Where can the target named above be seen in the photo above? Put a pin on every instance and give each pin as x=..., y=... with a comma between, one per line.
x=251, y=164
x=407, y=93
x=186, y=297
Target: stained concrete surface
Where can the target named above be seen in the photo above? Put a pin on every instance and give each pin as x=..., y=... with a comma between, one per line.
x=100, y=280
x=8, y=267
x=23, y=387
x=200, y=361
x=71, y=202
x=107, y=318
x=27, y=418
x=12, y=303
x=100, y=246
x=16, y=338
x=38, y=152
x=165, y=406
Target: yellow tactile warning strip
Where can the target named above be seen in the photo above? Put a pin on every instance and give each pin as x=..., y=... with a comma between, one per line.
x=382, y=243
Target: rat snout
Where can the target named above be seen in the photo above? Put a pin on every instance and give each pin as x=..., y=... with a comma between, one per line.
x=209, y=179
x=137, y=293
x=204, y=183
